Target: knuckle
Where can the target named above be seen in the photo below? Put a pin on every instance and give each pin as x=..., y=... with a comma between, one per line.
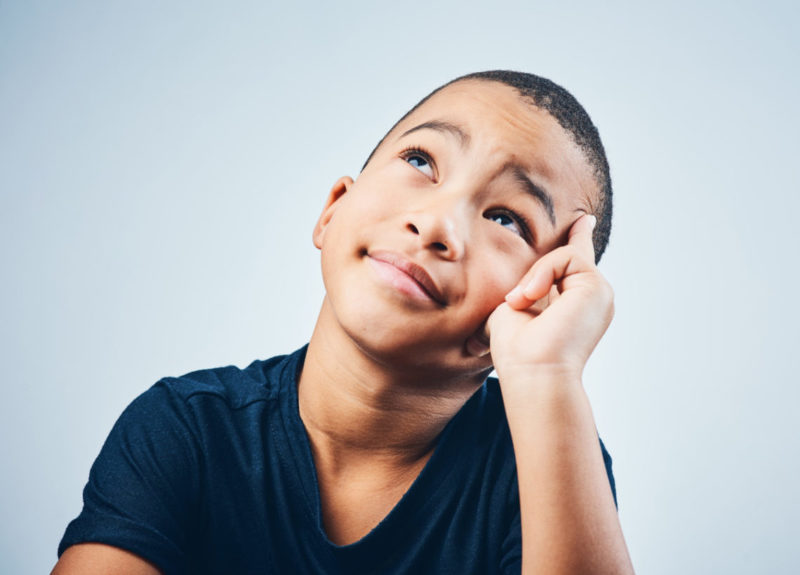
x=608, y=297
x=607, y=291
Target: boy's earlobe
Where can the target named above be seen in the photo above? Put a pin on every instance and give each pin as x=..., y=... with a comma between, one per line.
x=338, y=190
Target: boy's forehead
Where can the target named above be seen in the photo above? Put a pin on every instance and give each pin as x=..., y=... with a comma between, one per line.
x=494, y=111
x=503, y=118
x=470, y=98
x=474, y=89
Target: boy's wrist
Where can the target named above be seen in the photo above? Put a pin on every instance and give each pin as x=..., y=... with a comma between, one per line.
x=524, y=374
x=522, y=388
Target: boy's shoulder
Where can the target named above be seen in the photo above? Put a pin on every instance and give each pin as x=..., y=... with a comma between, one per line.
x=262, y=380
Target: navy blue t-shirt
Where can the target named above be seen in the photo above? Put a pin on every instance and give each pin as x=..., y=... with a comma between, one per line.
x=212, y=473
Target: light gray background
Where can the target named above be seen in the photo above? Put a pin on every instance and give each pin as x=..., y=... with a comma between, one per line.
x=161, y=170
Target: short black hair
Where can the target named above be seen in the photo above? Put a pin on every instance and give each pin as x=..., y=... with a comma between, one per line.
x=570, y=115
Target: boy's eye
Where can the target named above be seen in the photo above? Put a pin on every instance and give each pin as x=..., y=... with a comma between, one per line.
x=421, y=161
x=508, y=221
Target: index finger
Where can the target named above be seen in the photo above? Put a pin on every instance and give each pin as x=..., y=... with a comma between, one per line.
x=576, y=255
x=580, y=236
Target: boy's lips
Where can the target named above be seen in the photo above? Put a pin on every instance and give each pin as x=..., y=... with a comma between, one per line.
x=414, y=272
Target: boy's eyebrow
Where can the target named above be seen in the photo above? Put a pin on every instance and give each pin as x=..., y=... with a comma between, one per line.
x=520, y=176
x=534, y=189
x=444, y=128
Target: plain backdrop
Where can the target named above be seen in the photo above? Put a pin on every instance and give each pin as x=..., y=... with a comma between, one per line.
x=162, y=166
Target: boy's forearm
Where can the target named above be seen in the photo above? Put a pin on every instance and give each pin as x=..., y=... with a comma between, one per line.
x=569, y=520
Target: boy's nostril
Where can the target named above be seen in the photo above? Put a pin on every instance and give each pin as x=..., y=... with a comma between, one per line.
x=413, y=229
x=439, y=246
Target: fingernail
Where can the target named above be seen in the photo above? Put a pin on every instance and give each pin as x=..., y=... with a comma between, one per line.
x=593, y=220
x=529, y=289
x=514, y=293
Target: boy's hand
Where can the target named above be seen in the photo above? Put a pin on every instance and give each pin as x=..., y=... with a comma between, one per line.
x=551, y=322
x=540, y=339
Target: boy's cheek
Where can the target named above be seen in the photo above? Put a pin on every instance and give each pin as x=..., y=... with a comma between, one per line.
x=507, y=277
x=494, y=294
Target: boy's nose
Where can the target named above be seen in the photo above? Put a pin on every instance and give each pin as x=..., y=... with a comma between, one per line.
x=438, y=230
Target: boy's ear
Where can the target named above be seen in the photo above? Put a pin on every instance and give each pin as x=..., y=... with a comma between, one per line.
x=338, y=190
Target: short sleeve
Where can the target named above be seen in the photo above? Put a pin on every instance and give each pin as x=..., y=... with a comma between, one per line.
x=511, y=563
x=144, y=486
x=609, y=472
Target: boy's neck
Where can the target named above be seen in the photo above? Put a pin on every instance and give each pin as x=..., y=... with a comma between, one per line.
x=355, y=408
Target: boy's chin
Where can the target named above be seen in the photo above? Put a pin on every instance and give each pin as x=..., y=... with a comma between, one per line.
x=419, y=345
x=443, y=359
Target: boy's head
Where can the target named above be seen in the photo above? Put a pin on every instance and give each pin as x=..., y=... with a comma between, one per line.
x=454, y=205
x=570, y=115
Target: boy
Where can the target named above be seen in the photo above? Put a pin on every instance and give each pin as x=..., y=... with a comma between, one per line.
x=466, y=243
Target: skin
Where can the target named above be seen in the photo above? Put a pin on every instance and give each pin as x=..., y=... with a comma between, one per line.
x=389, y=364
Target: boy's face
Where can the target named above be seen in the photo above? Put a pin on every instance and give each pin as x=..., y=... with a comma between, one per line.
x=459, y=201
